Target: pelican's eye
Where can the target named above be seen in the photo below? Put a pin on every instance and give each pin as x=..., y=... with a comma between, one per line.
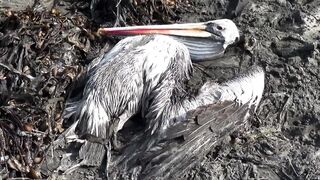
x=214, y=28
x=220, y=28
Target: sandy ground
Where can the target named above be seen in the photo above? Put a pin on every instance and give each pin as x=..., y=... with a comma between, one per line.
x=43, y=50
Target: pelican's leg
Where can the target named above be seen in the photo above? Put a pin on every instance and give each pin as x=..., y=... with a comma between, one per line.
x=113, y=133
x=118, y=125
x=114, y=142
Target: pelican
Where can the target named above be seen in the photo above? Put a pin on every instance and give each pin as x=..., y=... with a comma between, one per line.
x=146, y=73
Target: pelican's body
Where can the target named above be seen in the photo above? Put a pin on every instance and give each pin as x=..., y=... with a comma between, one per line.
x=126, y=80
x=146, y=74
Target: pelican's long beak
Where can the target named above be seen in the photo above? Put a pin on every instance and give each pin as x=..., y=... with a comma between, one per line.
x=186, y=30
x=205, y=41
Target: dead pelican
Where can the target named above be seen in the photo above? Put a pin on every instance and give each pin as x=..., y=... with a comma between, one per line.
x=146, y=74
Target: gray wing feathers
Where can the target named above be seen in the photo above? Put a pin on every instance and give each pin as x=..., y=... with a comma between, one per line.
x=224, y=108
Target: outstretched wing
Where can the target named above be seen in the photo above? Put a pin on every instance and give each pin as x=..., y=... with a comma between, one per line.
x=186, y=142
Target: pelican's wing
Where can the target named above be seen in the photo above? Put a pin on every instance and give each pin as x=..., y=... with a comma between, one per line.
x=185, y=143
x=193, y=140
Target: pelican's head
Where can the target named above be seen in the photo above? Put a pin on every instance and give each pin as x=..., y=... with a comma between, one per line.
x=205, y=41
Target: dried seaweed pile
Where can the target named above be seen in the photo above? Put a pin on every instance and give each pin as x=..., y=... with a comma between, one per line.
x=41, y=53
